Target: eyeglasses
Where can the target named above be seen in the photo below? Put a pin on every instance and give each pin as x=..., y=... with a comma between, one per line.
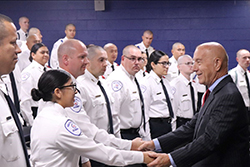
x=189, y=63
x=164, y=63
x=133, y=59
x=71, y=85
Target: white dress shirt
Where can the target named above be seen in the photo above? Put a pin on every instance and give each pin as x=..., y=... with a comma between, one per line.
x=29, y=76
x=94, y=102
x=143, y=48
x=109, y=69
x=238, y=76
x=11, y=149
x=21, y=35
x=173, y=71
x=56, y=140
x=53, y=56
x=127, y=101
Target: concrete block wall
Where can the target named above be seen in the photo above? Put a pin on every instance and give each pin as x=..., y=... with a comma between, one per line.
x=123, y=22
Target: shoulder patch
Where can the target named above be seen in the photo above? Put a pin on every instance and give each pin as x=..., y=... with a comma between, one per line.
x=77, y=105
x=25, y=76
x=173, y=90
x=143, y=88
x=72, y=128
x=116, y=85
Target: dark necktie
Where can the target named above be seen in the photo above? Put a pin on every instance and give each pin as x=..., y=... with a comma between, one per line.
x=171, y=113
x=205, y=96
x=111, y=130
x=147, y=53
x=44, y=69
x=142, y=104
x=247, y=80
x=113, y=68
x=192, y=96
x=18, y=124
x=14, y=90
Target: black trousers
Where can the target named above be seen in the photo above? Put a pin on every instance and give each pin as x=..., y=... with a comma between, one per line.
x=159, y=126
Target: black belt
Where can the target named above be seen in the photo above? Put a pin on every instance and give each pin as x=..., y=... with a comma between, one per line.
x=168, y=119
x=183, y=119
x=131, y=130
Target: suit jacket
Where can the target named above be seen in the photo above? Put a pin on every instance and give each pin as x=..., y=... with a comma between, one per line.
x=217, y=135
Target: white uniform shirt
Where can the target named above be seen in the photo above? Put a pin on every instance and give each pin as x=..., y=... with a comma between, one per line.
x=173, y=71
x=57, y=141
x=21, y=35
x=23, y=59
x=54, y=57
x=30, y=76
x=78, y=114
x=238, y=76
x=143, y=48
x=182, y=97
x=11, y=149
x=140, y=75
x=94, y=102
x=155, y=100
x=127, y=100
x=109, y=69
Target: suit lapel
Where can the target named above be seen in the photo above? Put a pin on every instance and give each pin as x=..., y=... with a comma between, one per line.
x=209, y=100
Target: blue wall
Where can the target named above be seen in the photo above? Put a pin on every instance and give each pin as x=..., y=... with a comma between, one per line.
x=190, y=22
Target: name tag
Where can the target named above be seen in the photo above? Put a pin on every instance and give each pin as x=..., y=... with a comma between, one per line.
x=134, y=92
x=158, y=93
x=184, y=95
x=97, y=96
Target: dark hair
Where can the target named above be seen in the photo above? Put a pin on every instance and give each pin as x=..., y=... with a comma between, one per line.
x=48, y=82
x=4, y=33
x=34, y=49
x=154, y=57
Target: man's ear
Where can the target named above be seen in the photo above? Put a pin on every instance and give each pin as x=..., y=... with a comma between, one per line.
x=217, y=64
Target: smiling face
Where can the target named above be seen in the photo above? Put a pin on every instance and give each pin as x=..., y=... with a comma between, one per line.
x=41, y=56
x=8, y=49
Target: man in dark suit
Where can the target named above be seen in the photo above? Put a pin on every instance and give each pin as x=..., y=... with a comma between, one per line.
x=218, y=134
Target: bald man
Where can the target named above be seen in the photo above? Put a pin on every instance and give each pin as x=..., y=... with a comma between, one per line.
x=218, y=134
x=147, y=39
x=70, y=31
x=22, y=33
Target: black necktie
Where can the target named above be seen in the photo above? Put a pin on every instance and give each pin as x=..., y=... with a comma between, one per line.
x=147, y=53
x=108, y=107
x=14, y=90
x=142, y=104
x=44, y=69
x=248, y=88
x=192, y=96
x=171, y=113
x=18, y=124
x=113, y=68
x=26, y=35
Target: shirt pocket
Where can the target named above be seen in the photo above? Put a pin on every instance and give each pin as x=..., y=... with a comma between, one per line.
x=135, y=102
x=99, y=103
x=10, y=135
x=185, y=103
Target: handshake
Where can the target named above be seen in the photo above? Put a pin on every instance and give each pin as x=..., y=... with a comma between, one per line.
x=151, y=158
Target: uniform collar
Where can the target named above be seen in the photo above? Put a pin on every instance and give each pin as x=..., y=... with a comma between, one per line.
x=3, y=86
x=143, y=46
x=72, y=77
x=130, y=76
x=240, y=69
x=184, y=79
x=90, y=76
x=173, y=60
x=155, y=76
x=41, y=67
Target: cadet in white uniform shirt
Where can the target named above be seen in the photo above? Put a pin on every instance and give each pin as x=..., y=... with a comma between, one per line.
x=94, y=101
x=142, y=73
x=12, y=145
x=185, y=104
x=70, y=31
x=128, y=103
x=112, y=53
x=22, y=33
x=56, y=140
x=30, y=76
x=72, y=56
x=158, y=103
x=147, y=39
x=178, y=49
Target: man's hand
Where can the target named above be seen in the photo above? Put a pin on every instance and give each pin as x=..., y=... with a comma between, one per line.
x=147, y=146
x=147, y=158
x=137, y=142
x=86, y=164
x=161, y=160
